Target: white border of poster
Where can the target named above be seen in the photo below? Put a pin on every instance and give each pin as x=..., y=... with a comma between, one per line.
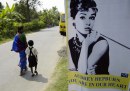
x=98, y=45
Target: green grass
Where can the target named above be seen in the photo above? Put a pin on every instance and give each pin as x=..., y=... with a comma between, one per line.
x=59, y=77
x=4, y=40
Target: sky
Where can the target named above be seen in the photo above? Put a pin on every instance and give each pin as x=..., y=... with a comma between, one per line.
x=46, y=4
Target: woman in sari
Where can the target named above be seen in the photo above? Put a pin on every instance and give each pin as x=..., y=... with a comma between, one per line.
x=19, y=46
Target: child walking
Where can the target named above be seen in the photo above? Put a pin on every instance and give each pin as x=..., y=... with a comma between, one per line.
x=32, y=57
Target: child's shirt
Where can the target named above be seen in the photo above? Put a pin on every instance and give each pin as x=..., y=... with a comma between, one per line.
x=34, y=51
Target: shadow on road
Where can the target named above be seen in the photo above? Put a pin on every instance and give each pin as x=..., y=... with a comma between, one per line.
x=38, y=78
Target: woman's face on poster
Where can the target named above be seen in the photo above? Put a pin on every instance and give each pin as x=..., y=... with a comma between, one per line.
x=84, y=21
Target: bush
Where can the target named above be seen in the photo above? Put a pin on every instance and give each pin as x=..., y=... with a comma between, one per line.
x=11, y=30
x=27, y=27
x=0, y=37
x=41, y=24
x=35, y=25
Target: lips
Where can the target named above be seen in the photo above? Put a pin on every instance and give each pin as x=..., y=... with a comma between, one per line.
x=87, y=29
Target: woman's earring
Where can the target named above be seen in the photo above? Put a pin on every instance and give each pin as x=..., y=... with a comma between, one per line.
x=74, y=25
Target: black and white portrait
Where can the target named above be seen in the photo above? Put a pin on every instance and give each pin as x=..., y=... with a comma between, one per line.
x=89, y=50
x=98, y=39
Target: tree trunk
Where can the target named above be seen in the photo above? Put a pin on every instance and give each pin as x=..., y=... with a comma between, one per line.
x=28, y=11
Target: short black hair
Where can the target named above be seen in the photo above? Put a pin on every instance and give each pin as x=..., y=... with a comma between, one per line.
x=85, y=5
x=30, y=43
x=20, y=29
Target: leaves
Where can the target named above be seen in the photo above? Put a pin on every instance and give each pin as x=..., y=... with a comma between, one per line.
x=7, y=17
x=50, y=17
x=18, y=13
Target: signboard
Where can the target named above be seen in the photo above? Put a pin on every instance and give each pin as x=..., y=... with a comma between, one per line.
x=98, y=45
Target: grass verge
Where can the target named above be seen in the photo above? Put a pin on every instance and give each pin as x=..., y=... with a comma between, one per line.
x=59, y=77
x=4, y=40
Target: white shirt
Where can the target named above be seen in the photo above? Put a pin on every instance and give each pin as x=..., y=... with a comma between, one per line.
x=34, y=51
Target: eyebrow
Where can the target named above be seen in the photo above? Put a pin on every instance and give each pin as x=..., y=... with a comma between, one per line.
x=82, y=14
x=85, y=14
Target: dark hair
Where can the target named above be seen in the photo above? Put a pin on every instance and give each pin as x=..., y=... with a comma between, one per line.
x=85, y=5
x=20, y=29
x=30, y=43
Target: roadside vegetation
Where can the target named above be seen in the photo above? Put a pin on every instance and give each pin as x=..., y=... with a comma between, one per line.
x=24, y=13
x=59, y=77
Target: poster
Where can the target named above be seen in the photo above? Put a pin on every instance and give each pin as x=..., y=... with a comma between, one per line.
x=98, y=45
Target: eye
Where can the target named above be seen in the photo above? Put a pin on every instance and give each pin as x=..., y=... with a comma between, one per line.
x=92, y=18
x=82, y=17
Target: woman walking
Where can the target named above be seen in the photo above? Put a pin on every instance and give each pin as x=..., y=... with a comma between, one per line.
x=19, y=46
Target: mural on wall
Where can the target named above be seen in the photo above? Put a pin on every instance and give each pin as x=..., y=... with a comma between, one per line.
x=98, y=44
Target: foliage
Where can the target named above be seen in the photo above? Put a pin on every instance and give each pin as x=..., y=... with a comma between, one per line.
x=32, y=3
x=12, y=17
x=11, y=14
x=33, y=14
x=50, y=17
x=7, y=17
x=35, y=25
x=1, y=6
x=28, y=9
x=21, y=8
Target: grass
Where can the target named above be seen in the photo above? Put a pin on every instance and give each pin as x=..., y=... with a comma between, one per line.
x=4, y=40
x=59, y=77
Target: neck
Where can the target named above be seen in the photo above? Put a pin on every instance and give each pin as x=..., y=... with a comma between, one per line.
x=81, y=36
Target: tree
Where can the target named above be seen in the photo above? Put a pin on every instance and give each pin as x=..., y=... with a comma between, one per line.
x=55, y=15
x=7, y=17
x=50, y=17
x=33, y=14
x=21, y=8
x=1, y=6
x=12, y=15
x=28, y=6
